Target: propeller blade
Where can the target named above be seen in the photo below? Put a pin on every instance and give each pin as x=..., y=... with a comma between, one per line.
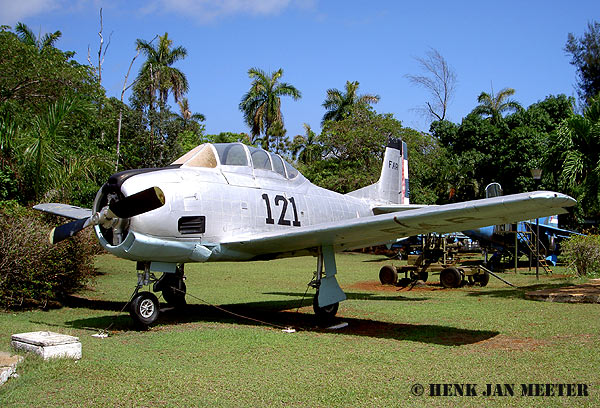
x=138, y=203
x=68, y=230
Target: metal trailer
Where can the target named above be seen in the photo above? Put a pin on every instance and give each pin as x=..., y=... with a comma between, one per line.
x=435, y=248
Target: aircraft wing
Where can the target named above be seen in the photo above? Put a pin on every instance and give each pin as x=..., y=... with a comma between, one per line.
x=378, y=229
x=64, y=210
x=385, y=209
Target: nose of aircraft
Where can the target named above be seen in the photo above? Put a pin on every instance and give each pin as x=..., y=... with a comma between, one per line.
x=114, y=207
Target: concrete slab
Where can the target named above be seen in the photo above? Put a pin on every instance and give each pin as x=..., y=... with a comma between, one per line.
x=48, y=344
x=8, y=365
x=585, y=293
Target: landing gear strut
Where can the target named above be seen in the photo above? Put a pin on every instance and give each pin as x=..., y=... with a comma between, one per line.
x=327, y=299
x=144, y=306
x=173, y=288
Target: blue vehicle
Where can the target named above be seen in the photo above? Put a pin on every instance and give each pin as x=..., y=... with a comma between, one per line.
x=501, y=238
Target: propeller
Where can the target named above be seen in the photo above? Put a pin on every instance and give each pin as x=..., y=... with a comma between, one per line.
x=135, y=204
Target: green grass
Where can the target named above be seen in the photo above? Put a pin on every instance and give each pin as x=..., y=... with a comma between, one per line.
x=395, y=338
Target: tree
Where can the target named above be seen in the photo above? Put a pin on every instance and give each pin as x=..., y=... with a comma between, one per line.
x=306, y=148
x=579, y=140
x=338, y=103
x=157, y=79
x=45, y=140
x=495, y=105
x=352, y=148
x=31, y=80
x=261, y=105
x=440, y=81
x=26, y=36
x=157, y=75
x=186, y=117
x=481, y=151
x=585, y=56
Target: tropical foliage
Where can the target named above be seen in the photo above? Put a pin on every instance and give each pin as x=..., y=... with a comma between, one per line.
x=585, y=56
x=338, y=104
x=494, y=105
x=261, y=106
x=578, y=141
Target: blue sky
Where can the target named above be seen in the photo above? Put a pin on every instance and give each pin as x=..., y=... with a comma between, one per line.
x=321, y=44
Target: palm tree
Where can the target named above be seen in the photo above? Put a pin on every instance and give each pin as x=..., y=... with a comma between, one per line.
x=157, y=73
x=27, y=36
x=43, y=147
x=306, y=148
x=495, y=105
x=261, y=105
x=579, y=140
x=186, y=116
x=338, y=104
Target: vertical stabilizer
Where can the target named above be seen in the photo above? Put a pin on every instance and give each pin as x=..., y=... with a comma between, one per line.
x=392, y=187
x=404, y=190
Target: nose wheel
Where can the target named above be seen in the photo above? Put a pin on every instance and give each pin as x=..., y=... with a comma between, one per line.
x=144, y=308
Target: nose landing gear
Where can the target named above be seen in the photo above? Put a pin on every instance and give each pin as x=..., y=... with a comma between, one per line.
x=144, y=306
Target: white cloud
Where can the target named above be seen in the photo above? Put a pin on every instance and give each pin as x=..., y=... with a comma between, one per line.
x=13, y=11
x=207, y=10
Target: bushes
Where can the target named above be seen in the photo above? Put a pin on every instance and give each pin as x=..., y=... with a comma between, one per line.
x=584, y=252
x=32, y=271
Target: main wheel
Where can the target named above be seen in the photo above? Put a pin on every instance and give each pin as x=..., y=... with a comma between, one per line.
x=388, y=275
x=174, y=293
x=144, y=308
x=450, y=278
x=324, y=314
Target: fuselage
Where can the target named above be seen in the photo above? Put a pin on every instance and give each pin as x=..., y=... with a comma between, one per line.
x=215, y=202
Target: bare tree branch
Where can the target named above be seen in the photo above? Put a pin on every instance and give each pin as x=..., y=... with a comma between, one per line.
x=439, y=80
x=125, y=87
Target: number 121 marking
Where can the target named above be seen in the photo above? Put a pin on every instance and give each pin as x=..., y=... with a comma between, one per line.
x=279, y=199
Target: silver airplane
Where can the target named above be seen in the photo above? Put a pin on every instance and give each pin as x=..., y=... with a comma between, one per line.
x=232, y=202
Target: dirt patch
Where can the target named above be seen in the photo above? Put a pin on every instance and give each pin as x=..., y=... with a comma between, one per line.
x=585, y=293
x=501, y=342
x=376, y=286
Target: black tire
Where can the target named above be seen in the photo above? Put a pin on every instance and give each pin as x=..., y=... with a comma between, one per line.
x=324, y=314
x=482, y=279
x=144, y=309
x=174, y=294
x=450, y=278
x=388, y=275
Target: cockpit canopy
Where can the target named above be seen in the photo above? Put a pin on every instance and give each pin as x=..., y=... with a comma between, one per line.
x=211, y=155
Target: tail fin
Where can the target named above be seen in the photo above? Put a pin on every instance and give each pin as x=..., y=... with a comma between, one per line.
x=392, y=187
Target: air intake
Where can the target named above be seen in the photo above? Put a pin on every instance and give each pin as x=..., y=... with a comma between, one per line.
x=192, y=225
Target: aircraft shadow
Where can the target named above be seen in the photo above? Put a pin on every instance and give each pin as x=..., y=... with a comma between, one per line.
x=517, y=293
x=352, y=296
x=382, y=259
x=280, y=314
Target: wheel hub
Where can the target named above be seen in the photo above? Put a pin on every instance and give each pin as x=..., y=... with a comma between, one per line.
x=146, y=308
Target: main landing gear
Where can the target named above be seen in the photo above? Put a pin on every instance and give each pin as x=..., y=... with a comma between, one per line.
x=329, y=294
x=144, y=306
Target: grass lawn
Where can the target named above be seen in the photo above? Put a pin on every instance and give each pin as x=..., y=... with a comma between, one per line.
x=395, y=338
